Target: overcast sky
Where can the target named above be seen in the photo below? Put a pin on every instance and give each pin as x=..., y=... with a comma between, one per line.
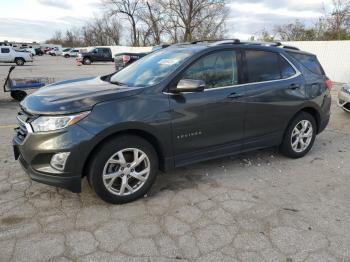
x=36, y=20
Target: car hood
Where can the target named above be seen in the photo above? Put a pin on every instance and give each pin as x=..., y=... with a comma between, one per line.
x=74, y=96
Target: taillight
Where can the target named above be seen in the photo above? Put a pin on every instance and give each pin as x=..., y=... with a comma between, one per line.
x=329, y=84
x=126, y=59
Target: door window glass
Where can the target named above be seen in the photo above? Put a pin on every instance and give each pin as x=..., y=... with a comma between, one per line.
x=5, y=50
x=262, y=66
x=216, y=70
x=286, y=69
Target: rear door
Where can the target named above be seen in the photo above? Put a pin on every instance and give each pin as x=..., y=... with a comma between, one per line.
x=5, y=54
x=274, y=89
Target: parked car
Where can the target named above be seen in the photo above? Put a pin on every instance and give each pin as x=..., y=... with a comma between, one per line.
x=344, y=98
x=181, y=105
x=10, y=55
x=30, y=50
x=124, y=59
x=71, y=53
x=39, y=51
x=98, y=54
x=55, y=51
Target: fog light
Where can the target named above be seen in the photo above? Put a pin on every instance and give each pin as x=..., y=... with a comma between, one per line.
x=58, y=161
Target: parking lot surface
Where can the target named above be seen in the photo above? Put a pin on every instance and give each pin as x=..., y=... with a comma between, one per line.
x=255, y=207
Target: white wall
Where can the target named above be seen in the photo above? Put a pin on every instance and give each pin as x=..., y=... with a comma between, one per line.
x=333, y=55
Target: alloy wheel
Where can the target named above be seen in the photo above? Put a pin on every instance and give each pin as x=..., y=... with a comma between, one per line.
x=126, y=171
x=302, y=136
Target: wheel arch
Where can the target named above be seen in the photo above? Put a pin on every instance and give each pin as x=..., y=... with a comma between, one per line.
x=18, y=57
x=312, y=111
x=136, y=132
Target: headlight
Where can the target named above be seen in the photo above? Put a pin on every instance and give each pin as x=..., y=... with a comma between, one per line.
x=346, y=89
x=51, y=123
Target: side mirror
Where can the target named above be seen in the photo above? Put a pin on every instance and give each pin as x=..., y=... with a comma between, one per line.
x=190, y=85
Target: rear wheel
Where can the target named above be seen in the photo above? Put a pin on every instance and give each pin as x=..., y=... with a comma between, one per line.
x=300, y=136
x=19, y=61
x=123, y=169
x=66, y=56
x=18, y=95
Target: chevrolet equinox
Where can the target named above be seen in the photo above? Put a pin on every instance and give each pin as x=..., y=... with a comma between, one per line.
x=180, y=105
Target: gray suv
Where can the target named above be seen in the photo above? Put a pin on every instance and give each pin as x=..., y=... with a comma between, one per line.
x=180, y=105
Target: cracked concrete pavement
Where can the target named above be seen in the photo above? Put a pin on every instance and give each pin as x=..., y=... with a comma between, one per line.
x=255, y=207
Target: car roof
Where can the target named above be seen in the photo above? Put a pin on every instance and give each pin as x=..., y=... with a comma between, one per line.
x=216, y=44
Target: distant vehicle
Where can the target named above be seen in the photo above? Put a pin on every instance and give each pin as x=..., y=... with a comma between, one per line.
x=71, y=53
x=55, y=52
x=39, y=51
x=124, y=59
x=10, y=55
x=344, y=98
x=30, y=50
x=98, y=54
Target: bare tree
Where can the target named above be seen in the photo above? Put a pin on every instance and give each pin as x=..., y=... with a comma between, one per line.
x=338, y=21
x=152, y=15
x=130, y=9
x=204, y=18
x=296, y=31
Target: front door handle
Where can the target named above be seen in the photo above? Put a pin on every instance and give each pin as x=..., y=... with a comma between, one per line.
x=235, y=95
x=294, y=86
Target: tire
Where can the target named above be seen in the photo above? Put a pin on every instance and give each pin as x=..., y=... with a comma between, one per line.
x=107, y=160
x=18, y=95
x=19, y=61
x=87, y=61
x=66, y=56
x=292, y=137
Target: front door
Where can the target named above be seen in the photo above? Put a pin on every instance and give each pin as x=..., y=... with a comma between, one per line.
x=209, y=123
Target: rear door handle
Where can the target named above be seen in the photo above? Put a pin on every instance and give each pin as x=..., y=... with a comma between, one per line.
x=294, y=86
x=235, y=95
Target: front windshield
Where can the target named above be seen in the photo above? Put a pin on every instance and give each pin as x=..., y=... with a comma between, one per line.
x=153, y=68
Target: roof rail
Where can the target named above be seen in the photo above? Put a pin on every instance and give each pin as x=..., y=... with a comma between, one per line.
x=235, y=41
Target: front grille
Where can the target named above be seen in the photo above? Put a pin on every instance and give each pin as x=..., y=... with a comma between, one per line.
x=22, y=130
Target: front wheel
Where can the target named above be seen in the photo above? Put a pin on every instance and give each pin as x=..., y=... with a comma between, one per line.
x=87, y=61
x=300, y=136
x=18, y=95
x=123, y=169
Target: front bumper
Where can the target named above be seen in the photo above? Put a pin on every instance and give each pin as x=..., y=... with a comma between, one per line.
x=344, y=100
x=72, y=183
x=35, y=151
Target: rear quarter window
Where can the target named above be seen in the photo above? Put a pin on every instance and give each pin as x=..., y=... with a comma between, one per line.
x=310, y=62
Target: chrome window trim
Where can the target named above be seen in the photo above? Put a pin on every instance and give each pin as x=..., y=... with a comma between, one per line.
x=297, y=73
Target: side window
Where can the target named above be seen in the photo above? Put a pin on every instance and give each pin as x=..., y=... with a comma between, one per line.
x=216, y=70
x=309, y=61
x=262, y=66
x=286, y=69
x=5, y=50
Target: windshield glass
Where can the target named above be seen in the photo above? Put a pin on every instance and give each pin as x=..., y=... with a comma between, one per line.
x=153, y=68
